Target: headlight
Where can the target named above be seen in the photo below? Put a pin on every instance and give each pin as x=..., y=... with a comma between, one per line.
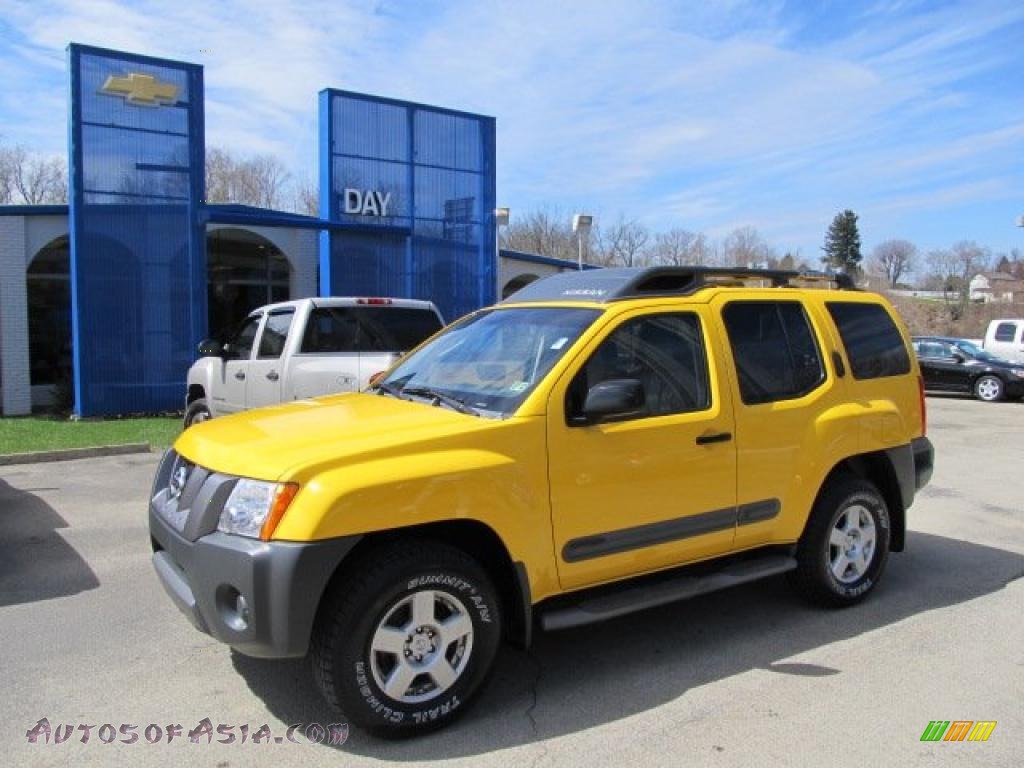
x=254, y=508
x=1018, y=372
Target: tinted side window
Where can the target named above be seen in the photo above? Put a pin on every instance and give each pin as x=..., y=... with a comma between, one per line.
x=394, y=329
x=775, y=350
x=873, y=343
x=664, y=352
x=241, y=343
x=275, y=333
x=1005, y=331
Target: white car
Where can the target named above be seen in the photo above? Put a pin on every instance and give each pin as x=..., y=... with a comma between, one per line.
x=305, y=348
x=1005, y=339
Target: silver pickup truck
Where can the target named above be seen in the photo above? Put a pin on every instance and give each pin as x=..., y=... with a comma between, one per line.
x=304, y=348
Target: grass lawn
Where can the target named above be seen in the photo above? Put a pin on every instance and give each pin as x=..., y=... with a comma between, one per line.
x=43, y=433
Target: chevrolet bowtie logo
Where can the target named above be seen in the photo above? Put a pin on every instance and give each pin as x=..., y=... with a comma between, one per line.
x=144, y=90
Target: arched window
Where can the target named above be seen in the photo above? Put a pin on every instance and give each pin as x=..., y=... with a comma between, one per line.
x=244, y=271
x=48, y=282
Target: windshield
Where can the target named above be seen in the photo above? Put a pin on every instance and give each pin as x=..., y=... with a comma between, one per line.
x=491, y=361
x=975, y=351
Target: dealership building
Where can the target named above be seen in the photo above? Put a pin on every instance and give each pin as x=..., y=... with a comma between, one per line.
x=103, y=301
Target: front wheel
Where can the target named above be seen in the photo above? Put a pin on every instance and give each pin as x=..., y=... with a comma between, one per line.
x=404, y=645
x=989, y=388
x=843, y=551
x=198, y=411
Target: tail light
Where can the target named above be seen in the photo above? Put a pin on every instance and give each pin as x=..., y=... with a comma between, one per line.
x=376, y=378
x=924, y=407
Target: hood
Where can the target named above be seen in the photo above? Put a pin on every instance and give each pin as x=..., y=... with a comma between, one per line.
x=270, y=443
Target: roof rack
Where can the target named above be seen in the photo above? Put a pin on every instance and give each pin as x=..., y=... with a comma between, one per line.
x=616, y=284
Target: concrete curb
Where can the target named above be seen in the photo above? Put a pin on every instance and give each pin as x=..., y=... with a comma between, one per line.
x=38, y=457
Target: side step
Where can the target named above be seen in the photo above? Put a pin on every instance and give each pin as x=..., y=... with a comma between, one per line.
x=631, y=597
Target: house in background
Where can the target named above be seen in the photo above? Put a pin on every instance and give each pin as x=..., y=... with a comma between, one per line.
x=998, y=287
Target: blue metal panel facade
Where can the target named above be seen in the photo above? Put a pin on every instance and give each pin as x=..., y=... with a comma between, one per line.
x=435, y=238
x=138, y=265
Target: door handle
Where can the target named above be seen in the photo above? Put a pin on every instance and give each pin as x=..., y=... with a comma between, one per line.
x=240, y=375
x=273, y=376
x=716, y=437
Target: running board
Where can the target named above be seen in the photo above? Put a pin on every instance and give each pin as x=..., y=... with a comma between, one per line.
x=637, y=597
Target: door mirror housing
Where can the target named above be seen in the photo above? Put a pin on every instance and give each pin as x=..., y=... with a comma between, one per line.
x=612, y=400
x=958, y=357
x=211, y=348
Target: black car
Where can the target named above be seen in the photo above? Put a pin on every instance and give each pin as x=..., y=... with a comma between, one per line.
x=956, y=365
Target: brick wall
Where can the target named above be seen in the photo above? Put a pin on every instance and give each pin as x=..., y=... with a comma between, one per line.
x=16, y=398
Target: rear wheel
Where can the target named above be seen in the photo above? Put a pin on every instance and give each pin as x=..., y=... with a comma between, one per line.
x=843, y=551
x=989, y=388
x=403, y=646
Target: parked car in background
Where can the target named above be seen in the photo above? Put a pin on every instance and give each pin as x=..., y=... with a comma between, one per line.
x=1005, y=339
x=956, y=365
x=305, y=348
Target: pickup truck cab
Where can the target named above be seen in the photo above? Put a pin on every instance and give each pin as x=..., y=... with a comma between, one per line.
x=305, y=348
x=1005, y=338
x=601, y=442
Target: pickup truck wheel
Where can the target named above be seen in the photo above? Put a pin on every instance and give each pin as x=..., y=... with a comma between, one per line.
x=196, y=412
x=403, y=646
x=845, y=546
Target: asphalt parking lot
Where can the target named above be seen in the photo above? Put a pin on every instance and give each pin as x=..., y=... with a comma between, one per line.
x=750, y=676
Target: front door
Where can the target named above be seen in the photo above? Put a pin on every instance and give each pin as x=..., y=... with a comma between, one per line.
x=231, y=395
x=656, y=489
x=266, y=370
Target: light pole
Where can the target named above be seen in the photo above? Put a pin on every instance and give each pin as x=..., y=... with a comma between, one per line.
x=500, y=220
x=581, y=223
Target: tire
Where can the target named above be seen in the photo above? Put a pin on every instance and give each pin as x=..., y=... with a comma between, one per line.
x=989, y=388
x=198, y=411
x=404, y=644
x=841, y=558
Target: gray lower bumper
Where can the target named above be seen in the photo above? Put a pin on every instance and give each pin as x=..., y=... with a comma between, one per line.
x=924, y=461
x=281, y=584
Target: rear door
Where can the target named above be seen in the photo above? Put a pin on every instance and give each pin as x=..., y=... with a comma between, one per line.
x=388, y=331
x=267, y=368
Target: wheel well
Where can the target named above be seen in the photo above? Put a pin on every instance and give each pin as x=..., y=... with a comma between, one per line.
x=876, y=468
x=480, y=542
x=195, y=391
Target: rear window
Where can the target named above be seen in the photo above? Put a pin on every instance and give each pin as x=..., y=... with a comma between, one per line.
x=774, y=348
x=368, y=329
x=1006, y=331
x=873, y=343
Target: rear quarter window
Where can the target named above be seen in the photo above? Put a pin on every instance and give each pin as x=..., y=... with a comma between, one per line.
x=873, y=343
x=1006, y=331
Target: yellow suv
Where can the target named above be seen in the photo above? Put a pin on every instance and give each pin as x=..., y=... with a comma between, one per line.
x=563, y=458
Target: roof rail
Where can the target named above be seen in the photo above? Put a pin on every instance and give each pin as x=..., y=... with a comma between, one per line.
x=616, y=284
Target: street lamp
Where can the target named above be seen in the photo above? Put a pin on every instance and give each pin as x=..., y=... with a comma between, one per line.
x=500, y=220
x=581, y=223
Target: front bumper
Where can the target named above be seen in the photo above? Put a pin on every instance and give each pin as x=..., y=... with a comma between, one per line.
x=280, y=584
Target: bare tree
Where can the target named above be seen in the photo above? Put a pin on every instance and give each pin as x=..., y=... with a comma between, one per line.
x=259, y=180
x=306, y=198
x=894, y=259
x=32, y=179
x=953, y=270
x=744, y=247
x=545, y=232
x=678, y=246
x=623, y=243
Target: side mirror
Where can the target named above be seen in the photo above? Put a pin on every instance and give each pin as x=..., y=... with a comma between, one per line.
x=958, y=357
x=210, y=348
x=612, y=400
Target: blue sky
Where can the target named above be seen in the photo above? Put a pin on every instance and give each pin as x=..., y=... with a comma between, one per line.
x=703, y=115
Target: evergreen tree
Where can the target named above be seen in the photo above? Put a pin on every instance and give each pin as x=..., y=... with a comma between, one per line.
x=842, y=244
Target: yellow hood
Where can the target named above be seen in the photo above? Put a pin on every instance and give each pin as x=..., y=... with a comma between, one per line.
x=274, y=442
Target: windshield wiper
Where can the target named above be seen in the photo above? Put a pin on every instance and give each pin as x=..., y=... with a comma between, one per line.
x=441, y=397
x=389, y=389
